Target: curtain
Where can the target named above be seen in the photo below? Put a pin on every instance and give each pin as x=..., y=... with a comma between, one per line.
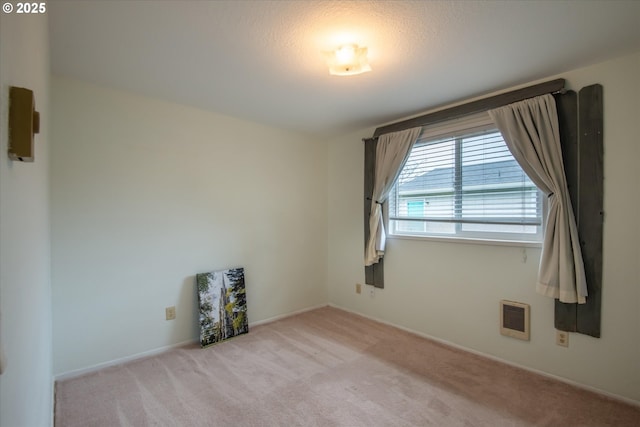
x=530, y=129
x=392, y=151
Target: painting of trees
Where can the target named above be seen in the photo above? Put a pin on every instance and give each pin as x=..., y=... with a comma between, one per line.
x=223, y=305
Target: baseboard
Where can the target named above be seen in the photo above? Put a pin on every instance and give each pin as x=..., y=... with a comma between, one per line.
x=154, y=352
x=284, y=316
x=53, y=402
x=497, y=359
x=120, y=361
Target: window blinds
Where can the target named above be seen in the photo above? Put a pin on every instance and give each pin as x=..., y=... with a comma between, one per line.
x=461, y=175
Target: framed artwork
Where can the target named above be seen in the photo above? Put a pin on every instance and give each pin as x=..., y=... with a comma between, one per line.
x=223, y=305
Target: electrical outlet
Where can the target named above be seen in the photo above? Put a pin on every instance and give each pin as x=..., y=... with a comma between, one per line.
x=358, y=288
x=170, y=312
x=562, y=338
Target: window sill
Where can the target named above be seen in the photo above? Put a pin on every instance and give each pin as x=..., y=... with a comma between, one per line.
x=468, y=240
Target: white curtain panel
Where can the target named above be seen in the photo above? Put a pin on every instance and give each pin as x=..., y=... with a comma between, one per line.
x=392, y=151
x=530, y=129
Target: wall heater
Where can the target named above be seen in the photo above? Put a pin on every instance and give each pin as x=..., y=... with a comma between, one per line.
x=514, y=319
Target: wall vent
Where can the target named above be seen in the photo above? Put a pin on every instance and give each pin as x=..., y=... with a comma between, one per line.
x=514, y=319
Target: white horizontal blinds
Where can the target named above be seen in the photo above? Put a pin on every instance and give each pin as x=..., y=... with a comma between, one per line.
x=494, y=187
x=455, y=127
x=460, y=176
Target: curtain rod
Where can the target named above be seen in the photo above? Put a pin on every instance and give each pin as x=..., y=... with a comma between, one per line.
x=552, y=86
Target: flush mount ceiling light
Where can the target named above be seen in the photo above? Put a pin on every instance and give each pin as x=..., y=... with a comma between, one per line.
x=348, y=60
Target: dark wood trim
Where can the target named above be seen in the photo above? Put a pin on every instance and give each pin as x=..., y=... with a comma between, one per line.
x=565, y=314
x=591, y=200
x=581, y=136
x=373, y=274
x=474, y=107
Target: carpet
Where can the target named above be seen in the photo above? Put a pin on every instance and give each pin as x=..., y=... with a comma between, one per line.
x=328, y=367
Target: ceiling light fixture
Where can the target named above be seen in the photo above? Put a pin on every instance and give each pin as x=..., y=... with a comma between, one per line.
x=348, y=60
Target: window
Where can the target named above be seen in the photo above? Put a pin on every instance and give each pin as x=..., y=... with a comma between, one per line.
x=460, y=180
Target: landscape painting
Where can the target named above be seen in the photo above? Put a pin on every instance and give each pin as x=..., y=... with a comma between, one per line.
x=223, y=305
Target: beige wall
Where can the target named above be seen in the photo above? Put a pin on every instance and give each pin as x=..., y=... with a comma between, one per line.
x=26, y=391
x=450, y=291
x=146, y=194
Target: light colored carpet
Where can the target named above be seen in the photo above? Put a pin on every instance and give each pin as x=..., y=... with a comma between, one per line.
x=328, y=367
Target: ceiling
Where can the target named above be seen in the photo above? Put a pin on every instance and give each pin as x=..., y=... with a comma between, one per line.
x=262, y=60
